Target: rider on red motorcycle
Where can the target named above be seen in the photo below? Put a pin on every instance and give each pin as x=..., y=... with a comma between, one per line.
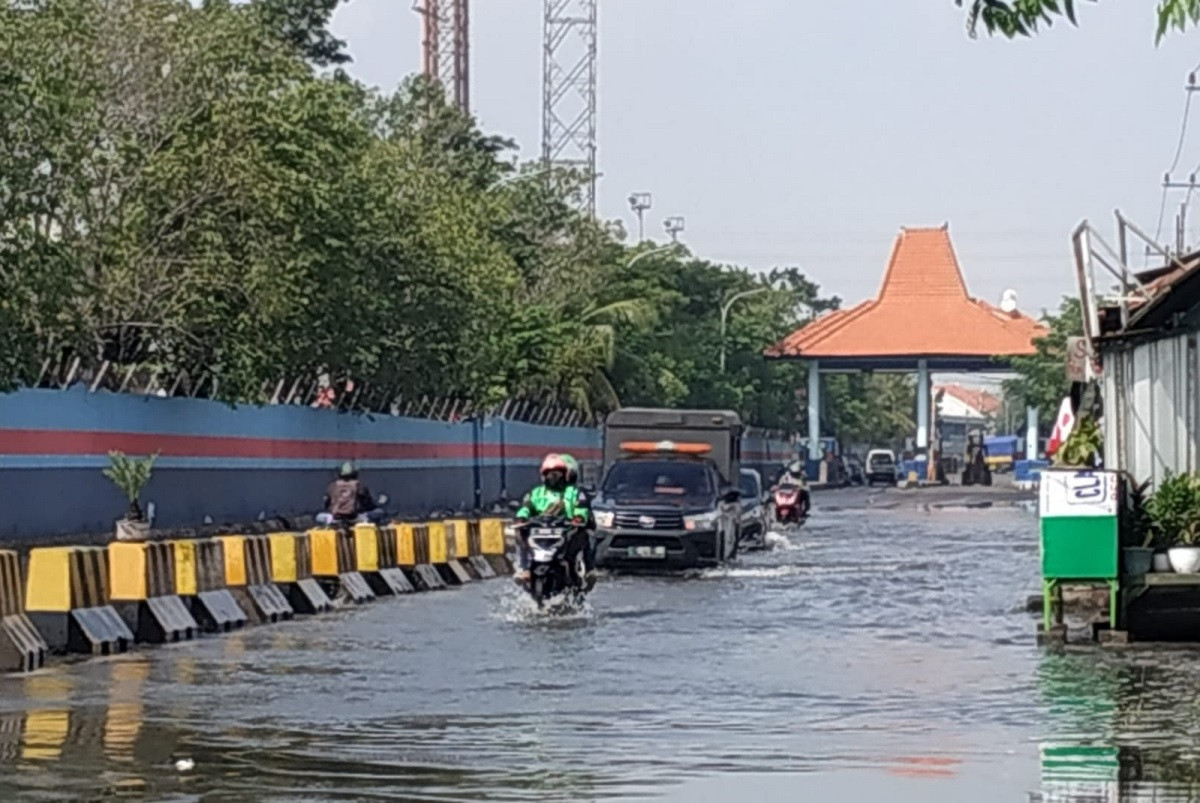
x=794, y=476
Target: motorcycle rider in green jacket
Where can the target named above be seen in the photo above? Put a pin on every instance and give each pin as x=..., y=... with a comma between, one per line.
x=558, y=495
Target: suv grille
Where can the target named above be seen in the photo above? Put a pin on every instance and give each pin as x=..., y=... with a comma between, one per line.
x=662, y=521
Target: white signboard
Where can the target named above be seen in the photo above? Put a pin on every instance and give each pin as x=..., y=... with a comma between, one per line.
x=1078, y=493
x=1080, y=365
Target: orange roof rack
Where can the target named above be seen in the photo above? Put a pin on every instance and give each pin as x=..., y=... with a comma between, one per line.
x=647, y=447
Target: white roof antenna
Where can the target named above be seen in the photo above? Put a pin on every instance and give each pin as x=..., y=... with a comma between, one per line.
x=1008, y=301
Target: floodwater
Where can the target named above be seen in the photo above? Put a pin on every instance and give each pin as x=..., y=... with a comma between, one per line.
x=874, y=655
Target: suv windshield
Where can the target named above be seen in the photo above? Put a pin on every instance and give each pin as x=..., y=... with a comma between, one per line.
x=660, y=480
x=749, y=486
x=882, y=461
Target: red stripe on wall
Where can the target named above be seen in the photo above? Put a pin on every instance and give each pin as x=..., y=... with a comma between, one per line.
x=67, y=442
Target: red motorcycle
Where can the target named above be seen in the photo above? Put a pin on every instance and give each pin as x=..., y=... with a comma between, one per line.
x=791, y=504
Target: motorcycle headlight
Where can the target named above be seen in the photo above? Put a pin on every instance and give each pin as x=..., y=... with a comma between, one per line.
x=701, y=521
x=604, y=518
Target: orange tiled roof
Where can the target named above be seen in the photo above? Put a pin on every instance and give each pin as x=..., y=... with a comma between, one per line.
x=923, y=309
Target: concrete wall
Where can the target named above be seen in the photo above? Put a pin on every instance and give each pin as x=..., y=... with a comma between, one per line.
x=234, y=464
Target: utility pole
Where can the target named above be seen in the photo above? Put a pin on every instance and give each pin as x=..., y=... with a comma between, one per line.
x=445, y=43
x=569, y=37
x=639, y=202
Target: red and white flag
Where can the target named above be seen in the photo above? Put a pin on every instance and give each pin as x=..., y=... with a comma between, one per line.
x=1062, y=427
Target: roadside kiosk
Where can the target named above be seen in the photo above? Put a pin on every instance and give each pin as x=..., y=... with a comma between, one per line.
x=1078, y=510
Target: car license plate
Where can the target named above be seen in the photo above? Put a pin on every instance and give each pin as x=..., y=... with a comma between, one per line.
x=647, y=552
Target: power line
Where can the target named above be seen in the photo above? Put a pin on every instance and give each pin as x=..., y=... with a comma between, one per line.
x=1162, y=205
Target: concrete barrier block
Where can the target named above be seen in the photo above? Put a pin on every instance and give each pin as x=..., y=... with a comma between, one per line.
x=142, y=592
x=390, y=579
x=439, y=555
x=248, y=577
x=458, y=535
x=422, y=573
x=334, y=565
x=291, y=567
x=22, y=648
x=200, y=583
x=67, y=600
x=482, y=568
x=375, y=559
x=494, y=545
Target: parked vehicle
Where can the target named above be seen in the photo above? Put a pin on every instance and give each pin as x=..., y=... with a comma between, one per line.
x=881, y=467
x=754, y=510
x=1001, y=452
x=853, y=469
x=666, y=501
x=552, y=576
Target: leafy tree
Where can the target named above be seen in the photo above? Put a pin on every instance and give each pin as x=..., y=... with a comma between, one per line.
x=1041, y=379
x=183, y=193
x=1014, y=18
x=304, y=24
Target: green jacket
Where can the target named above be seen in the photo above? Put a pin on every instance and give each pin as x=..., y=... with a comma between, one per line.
x=541, y=499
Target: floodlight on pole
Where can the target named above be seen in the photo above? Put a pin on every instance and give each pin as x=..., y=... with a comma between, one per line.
x=639, y=202
x=673, y=226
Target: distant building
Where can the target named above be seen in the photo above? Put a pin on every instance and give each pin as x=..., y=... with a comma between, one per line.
x=962, y=410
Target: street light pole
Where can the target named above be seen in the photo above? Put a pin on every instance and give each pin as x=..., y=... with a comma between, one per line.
x=639, y=202
x=725, y=314
x=541, y=171
x=659, y=250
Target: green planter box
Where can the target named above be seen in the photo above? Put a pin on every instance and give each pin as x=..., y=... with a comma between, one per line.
x=1078, y=511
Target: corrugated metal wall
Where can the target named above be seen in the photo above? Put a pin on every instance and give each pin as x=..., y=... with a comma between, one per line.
x=1150, y=407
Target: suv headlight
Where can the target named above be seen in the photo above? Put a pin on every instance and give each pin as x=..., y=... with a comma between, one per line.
x=604, y=518
x=701, y=521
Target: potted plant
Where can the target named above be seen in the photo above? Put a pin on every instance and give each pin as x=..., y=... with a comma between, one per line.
x=1137, y=528
x=1175, y=511
x=130, y=475
x=1082, y=447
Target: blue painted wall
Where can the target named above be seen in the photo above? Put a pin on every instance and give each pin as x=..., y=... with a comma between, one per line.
x=234, y=464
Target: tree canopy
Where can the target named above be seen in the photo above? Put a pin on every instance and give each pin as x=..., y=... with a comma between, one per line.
x=185, y=191
x=1013, y=18
x=1041, y=379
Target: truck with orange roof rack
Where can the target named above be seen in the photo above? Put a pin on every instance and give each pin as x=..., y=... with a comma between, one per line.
x=668, y=498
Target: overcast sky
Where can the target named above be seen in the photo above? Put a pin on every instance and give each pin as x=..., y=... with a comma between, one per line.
x=805, y=132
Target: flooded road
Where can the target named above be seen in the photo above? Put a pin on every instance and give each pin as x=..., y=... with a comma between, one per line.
x=874, y=655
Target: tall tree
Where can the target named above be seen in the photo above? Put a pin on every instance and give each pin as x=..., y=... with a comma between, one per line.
x=1014, y=18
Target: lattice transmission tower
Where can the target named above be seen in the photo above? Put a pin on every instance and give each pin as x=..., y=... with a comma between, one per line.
x=569, y=89
x=446, y=43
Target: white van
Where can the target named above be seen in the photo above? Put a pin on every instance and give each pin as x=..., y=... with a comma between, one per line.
x=881, y=467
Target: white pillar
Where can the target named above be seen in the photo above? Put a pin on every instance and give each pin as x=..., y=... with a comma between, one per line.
x=814, y=411
x=922, y=405
x=1031, y=434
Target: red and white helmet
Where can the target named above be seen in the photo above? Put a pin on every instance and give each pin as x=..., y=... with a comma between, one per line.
x=552, y=462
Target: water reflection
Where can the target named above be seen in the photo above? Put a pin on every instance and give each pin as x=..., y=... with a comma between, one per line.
x=1120, y=728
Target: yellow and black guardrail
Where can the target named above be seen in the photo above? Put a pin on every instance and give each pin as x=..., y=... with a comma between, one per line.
x=142, y=590
x=200, y=582
x=291, y=569
x=248, y=577
x=22, y=648
x=104, y=600
x=335, y=565
x=67, y=599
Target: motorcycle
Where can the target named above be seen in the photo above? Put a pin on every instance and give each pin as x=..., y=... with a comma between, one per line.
x=375, y=516
x=550, y=574
x=791, y=504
